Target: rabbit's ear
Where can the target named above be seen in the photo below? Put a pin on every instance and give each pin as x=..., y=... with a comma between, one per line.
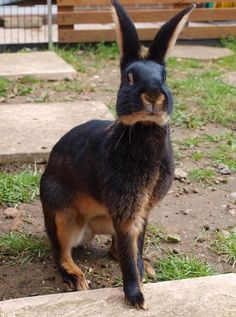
x=165, y=39
x=127, y=37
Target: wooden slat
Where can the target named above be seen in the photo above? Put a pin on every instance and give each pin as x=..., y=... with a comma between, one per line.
x=145, y=16
x=125, y=2
x=205, y=32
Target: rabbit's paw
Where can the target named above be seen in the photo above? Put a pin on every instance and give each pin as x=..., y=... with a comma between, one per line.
x=135, y=299
x=75, y=282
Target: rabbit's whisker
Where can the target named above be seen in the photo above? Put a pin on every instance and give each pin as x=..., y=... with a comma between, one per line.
x=120, y=138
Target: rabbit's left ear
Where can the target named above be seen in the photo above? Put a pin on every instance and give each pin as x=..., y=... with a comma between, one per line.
x=127, y=37
x=166, y=38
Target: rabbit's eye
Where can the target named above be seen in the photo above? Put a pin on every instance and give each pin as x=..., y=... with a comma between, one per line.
x=130, y=78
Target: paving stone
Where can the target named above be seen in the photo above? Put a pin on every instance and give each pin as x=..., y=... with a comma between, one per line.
x=230, y=79
x=45, y=65
x=213, y=296
x=28, y=131
x=200, y=52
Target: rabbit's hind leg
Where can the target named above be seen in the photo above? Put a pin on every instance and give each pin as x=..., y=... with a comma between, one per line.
x=70, y=232
x=144, y=264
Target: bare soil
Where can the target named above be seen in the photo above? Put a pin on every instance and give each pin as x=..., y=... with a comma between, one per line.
x=190, y=210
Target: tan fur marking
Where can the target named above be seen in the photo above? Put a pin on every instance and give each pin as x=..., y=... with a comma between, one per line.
x=161, y=119
x=143, y=53
x=89, y=208
x=176, y=33
x=148, y=101
x=102, y=225
x=66, y=230
x=118, y=31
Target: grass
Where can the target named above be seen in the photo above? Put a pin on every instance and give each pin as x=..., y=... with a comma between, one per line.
x=203, y=98
x=22, y=247
x=225, y=245
x=4, y=85
x=18, y=187
x=201, y=175
x=177, y=267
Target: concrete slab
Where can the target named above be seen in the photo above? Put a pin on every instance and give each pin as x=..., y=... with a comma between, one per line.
x=200, y=52
x=230, y=79
x=28, y=131
x=202, y=297
x=45, y=65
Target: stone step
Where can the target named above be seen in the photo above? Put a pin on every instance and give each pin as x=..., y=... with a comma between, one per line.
x=28, y=131
x=44, y=65
x=213, y=296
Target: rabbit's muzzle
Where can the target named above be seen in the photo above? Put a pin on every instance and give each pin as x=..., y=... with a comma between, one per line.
x=153, y=105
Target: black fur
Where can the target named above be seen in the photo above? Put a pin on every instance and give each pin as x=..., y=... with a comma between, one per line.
x=125, y=167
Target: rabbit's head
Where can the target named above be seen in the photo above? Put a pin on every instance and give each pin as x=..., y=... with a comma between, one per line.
x=143, y=95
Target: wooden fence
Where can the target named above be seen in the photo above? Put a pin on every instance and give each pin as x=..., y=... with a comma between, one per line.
x=90, y=20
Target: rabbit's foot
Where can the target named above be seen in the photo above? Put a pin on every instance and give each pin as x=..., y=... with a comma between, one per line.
x=73, y=276
x=135, y=299
x=149, y=270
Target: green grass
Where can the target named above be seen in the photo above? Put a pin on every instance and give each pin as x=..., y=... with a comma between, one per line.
x=201, y=175
x=203, y=98
x=4, y=85
x=74, y=86
x=197, y=155
x=18, y=187
x=176, y=267
x=225, y=245
x=21, y=247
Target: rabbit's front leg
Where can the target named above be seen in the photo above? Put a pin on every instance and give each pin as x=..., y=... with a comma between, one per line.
x=127, y=243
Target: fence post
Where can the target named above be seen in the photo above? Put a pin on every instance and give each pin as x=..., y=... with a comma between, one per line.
x=50, y=41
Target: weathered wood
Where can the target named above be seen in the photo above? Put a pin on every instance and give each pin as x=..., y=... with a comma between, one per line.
x=203, y=32
x=125, y=2
x=154, y=15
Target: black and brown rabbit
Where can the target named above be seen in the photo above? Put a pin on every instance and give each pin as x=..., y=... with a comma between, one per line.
x=104, y=177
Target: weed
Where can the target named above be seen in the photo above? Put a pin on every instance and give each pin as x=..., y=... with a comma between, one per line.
x=201, y=175
x=175, y=267
x=18, y=187
x=225, y=245
x=197, y=155
x=4, y=85
x=22, y=247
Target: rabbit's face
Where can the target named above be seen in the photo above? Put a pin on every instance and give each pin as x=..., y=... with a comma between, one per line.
x=143, y=94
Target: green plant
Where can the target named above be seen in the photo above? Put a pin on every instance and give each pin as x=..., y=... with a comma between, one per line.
x=201, y=175
x=22, y=247
x=4, y=85
x=176, y=267
x=225, y=245
x=18, y=187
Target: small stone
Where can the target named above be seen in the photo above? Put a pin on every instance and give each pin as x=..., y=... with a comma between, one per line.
x=224, y=206
x=217, y=182
x=175, y=251
x=10, y=213
x=201, y=239
x=186, y=211
x=206, y=227
x=233, y=195
x=213, y=189
x=232, y=212
x=225, y=233
x=174, y=238
x=195, y=190
x=186, y=190
x=223, y=169
x=180, y=173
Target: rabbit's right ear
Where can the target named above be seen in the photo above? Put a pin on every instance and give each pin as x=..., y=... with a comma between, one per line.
x=127, y=37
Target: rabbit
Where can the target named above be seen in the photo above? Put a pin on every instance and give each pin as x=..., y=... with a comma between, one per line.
x=104, y=177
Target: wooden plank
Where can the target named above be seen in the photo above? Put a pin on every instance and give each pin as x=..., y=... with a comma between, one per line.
x=124, y=2
x=204, y=32
x=81, y=17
